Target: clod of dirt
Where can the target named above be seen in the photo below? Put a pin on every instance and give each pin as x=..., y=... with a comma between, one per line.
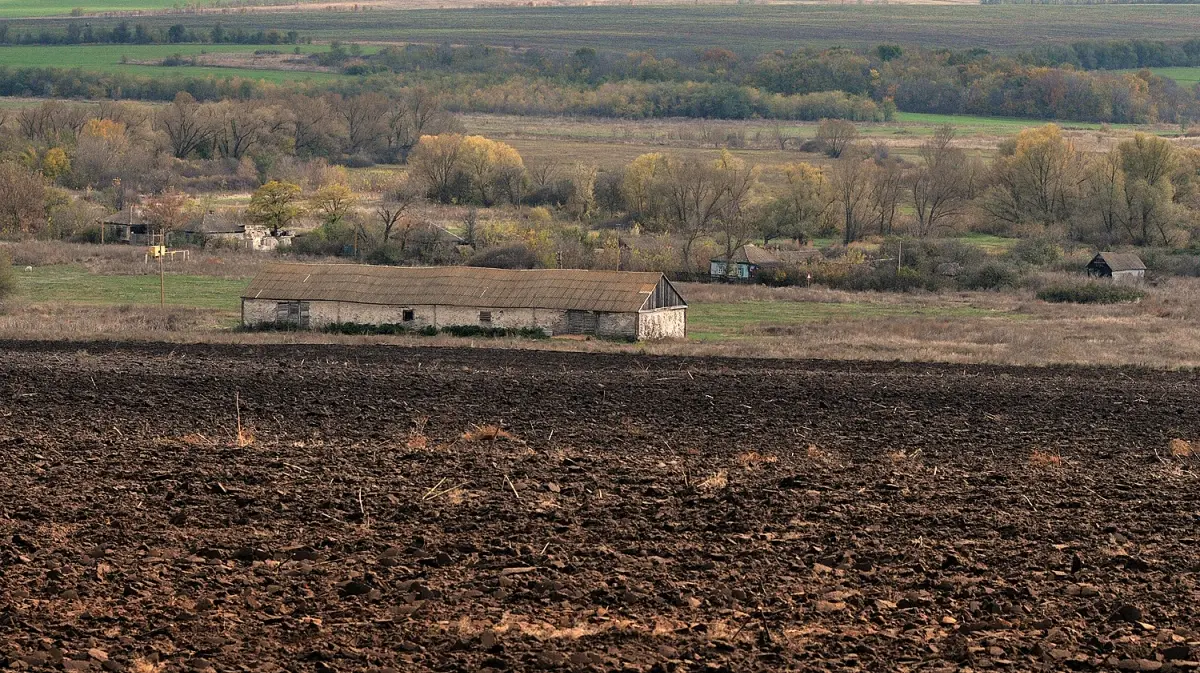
x=1129, y=613
x=353, y=588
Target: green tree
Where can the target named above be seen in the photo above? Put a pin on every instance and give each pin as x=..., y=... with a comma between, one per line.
x=333, y=203
x=275, y=205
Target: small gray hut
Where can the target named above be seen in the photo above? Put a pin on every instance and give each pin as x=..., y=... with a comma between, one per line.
x=1122, y=267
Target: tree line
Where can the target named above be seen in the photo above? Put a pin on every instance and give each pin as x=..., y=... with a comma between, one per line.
x=803, y=84
x=140, y=33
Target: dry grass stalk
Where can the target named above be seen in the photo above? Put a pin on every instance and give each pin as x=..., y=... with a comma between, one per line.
x=244, y=437
x=714, y=482
x=752, y=459
x=487, y=433
x=903, y=456
x=417, y=441
x=1045, y=460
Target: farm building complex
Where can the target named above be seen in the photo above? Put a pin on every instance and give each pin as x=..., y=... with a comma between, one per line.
x=559, y=301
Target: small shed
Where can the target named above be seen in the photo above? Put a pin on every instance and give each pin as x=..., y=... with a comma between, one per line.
x=211, y=226
x=743, y=264
x=611, y=304
x=128, y=225
x=1122, y=267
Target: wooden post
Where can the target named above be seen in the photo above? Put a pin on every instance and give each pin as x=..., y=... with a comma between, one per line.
x=162, y=285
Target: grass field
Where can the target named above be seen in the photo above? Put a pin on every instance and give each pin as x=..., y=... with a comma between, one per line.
x=108, y=58
x=747, y=319
x=741, y=28
x=23, y=8
x=1185, y=77
x=72, y=284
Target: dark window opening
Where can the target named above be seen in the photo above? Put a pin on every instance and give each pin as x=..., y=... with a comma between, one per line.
x=485, y=316
x=407, y=316
x=293, y=313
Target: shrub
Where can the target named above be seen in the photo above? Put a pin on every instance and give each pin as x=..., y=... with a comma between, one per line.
x=494, y=332
x=1090, y=293
x=8, y=276
x=1037, y=251
x=509, y=257
x=990, y=276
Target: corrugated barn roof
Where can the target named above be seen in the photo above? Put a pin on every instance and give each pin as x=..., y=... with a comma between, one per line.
x=562, y=289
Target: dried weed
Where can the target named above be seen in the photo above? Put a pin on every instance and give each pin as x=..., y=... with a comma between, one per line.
x=1181, y=448
x=714, y=482
x=752, y=459
x=1044, y=460
x=487, y=433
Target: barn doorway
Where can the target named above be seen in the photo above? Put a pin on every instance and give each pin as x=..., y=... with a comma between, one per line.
x=582, y=322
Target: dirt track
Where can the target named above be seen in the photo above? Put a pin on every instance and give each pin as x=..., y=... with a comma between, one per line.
x=635, y=513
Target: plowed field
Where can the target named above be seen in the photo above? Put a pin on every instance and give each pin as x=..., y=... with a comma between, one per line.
x=421, y=509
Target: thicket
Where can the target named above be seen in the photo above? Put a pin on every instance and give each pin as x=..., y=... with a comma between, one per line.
x=8, y=276
x=804, y=84
x=1090, y=293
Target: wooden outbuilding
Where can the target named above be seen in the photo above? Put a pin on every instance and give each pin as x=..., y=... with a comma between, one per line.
x=743, y=264
x=128, y=225
x=1122, y=267
x=612, y=304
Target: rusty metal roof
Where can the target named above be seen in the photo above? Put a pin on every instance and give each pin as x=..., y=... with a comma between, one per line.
x=562, y=289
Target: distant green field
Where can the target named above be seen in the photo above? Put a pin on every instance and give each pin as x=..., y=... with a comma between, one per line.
x=19, y=8
x=743, y=28
x=1186, y=77
x=108, y=58
x=734, y=320
x=73, y=284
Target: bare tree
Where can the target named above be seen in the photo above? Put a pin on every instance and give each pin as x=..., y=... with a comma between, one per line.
x=887, y=188
x=240, y=126
x=186, y=124
x=941, y=184
x=850, y=178
x=23, y=199
x=364, y=116
x=696, y=194
x=415, y=113
x=397, y=200
x=837, y=135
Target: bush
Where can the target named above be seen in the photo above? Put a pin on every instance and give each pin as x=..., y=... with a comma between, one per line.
x=1037, y=251
x=386, y=328
x=494, y=332
x=8, y=276
x=990, y=276
x=510, y=257
x=1090, y=293
x=429, y=330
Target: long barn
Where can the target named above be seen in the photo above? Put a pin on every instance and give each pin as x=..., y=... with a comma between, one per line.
x=612, y=304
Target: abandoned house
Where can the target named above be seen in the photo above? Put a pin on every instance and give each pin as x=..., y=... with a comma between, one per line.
x=1122, y=267
x=209, y=227
x=743, y=264
x=128, y=225
x=611, y=304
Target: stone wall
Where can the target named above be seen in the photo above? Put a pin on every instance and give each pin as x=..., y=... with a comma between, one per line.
x=663, y=323
x=658, y=324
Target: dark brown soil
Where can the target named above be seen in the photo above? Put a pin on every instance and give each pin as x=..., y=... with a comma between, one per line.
x=624, y=513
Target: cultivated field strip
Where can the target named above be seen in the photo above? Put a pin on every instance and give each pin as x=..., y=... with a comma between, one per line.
x=327, y=508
